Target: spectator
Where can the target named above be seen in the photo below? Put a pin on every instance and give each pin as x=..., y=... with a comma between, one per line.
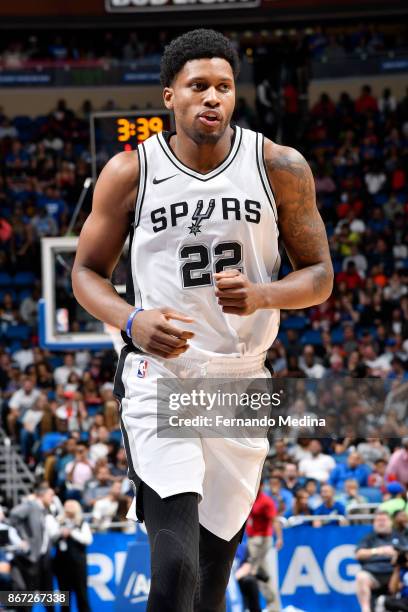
x=247, y=582
x=354, y=469
x=261, y=524
x=300, y=508
x=291, y=477
x=366, y=103
x=397, y=500
x=70, y=564
x=372, y=450
x=318, y=465
x=30, y=431
x=281, y=496
x=97, y=487
x=398, y=464
x=30, y=520
x=329, y=507
x=309, y=364
x=311, y=486
x=107, y=508
x=78, y=471
x=375, y=552
x=377, y=476
x=61, y=374
x=351, y=496
x=400, y=524
x=100, y=443
x=20, y=402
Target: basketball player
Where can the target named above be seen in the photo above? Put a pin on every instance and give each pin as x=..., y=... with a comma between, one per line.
x=203, y=206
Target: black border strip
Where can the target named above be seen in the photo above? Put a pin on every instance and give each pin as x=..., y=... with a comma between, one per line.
x=202, y=178
x=262, y=178
x=144, y=184
x=118, y=386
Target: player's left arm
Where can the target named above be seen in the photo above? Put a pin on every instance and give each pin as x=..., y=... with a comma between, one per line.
x=304, y=237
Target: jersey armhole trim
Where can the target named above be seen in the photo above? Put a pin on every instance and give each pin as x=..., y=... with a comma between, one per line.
x=141, y=152
x=260, y=162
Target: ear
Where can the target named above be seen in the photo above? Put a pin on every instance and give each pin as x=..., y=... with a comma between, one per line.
x=168, y=95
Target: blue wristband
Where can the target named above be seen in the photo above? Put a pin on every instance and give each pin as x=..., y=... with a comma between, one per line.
x=130, y=321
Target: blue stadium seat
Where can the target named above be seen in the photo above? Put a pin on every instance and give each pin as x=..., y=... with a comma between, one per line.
x=337, y=336
x=312, y=336
x=380, y=199
x=51, y=440
x=93, y=409
x=5, y=279
x=17, y=332
x=294, y=323
x=24, y=279
x=115, y=436
x=24, y=293
x=15, y=346
x=372, y=494
x=282, y=337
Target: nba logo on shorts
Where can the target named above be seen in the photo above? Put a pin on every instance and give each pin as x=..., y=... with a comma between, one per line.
x=142, y=368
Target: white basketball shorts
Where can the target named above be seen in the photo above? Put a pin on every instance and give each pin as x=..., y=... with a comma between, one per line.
x=225, y=472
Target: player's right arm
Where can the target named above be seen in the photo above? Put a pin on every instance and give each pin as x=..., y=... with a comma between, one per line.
x=100, y=245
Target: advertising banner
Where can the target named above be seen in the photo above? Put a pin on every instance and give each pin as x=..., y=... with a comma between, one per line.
x=316, y=570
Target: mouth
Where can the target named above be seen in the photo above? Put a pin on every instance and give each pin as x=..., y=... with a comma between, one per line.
x=210, y=118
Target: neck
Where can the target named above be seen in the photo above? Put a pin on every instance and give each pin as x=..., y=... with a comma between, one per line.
x=201, y=157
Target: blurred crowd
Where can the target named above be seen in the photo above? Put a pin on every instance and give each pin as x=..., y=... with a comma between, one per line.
x=111, y=46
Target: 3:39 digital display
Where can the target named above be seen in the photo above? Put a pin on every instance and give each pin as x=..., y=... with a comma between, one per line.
x=141, y=128
x=115, y=131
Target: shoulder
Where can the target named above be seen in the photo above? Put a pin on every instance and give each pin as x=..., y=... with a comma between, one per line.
x=279, y=158
x=118, y=181
x=123, y=166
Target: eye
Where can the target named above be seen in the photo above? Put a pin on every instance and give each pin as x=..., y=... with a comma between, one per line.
x=224, y=87
x=198, y=86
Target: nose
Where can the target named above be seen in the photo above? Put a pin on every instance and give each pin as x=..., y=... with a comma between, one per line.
x=211, y=97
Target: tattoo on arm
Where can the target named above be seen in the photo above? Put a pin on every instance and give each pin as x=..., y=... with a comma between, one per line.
x=300, y=224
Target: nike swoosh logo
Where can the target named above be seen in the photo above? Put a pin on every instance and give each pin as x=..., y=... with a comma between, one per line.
x=157, y=181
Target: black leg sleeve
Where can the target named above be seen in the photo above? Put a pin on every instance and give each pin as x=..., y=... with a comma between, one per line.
x=173, y=531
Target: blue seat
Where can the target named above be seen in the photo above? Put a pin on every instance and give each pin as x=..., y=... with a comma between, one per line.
x=115, y=436
x=312, y=336
x=51, y=440
x=380, y=199
x=294, y=323
x=24, y=293
x=24, y=279
x=17, y=332
x=337, y=336
x=372, y=494
x=15, y=346
x=5, y=279
x=93, y=409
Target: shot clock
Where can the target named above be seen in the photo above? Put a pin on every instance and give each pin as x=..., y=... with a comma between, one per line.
x=112, y=132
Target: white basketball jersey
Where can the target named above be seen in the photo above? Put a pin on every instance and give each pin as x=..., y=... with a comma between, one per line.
x=189, y=225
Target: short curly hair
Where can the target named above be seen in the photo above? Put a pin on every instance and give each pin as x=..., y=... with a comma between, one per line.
x=196, y=44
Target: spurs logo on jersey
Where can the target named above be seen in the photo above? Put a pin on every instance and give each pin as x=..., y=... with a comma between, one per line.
x=232, y=209
x=198, y=224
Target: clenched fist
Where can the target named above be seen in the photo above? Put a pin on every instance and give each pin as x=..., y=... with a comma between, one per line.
x=153, y=332
x=236, y=294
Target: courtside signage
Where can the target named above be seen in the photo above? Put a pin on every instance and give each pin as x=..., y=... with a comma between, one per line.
x=132, y=6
